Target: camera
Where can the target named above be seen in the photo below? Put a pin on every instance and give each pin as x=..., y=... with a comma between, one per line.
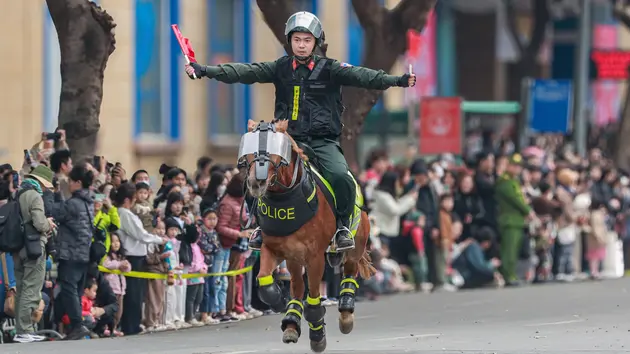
x=53, y=136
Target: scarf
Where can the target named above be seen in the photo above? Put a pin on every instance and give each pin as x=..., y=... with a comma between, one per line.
x=32, y=184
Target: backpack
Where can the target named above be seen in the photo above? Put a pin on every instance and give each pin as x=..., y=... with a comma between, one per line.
x=11, y=226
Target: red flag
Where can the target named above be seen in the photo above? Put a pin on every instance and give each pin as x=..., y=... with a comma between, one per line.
x=184, y=44
x=414, y=44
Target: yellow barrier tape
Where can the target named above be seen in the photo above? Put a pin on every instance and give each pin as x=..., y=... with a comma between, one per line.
x=147, y=275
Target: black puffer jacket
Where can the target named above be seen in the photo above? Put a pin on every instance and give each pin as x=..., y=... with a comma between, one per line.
x=75, y=218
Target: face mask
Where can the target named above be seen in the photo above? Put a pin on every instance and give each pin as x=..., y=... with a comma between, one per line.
x=221, y=190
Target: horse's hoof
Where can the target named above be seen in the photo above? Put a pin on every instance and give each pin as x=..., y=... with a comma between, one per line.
x=290, y=335
x=320, y=346
x=346, y=322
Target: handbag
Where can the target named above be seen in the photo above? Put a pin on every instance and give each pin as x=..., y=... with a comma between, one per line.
x=9, y=300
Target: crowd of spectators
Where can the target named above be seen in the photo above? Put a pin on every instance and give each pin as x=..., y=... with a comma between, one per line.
x=498, y=218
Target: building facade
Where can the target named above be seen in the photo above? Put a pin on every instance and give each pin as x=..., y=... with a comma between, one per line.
x=151, y=111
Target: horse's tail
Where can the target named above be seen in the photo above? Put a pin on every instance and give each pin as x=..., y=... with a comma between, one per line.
x=366, y=269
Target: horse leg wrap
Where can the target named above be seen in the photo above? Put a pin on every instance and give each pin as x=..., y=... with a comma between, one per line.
x=347, y=294
x=270, y=293
x=293, y=316
x=314, y=313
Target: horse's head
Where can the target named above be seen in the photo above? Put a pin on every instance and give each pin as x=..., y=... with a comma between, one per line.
x=263, y=150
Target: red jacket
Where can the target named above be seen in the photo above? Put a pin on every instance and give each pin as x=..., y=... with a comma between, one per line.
x=229, y=227
x=86, y=310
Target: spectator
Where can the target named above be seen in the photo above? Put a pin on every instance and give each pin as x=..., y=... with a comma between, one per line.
x=154, y=302
x=596, y=231
x=209, y=244
x=229, y=231
x=106, y=217
x=75, y=217
x=567, y=227
x=387, y=208
x=116, y=261
x=134, y=240
x=61, y=164
x=471, y=263
x=7, y=284
x=468, y=205
x=30, y=273
x=214, y=192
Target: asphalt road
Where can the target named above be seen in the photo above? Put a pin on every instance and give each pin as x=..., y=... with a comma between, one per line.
x=592, y=317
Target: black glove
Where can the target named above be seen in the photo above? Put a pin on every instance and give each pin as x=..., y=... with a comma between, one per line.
x=403, y=81
x=196, y=71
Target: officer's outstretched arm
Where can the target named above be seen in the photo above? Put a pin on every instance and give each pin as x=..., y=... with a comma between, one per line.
x=358, y=76
x=243, y=73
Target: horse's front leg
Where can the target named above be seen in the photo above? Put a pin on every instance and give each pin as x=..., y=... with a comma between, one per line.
x=292, y=321
x=269, y=291
x=314, y=311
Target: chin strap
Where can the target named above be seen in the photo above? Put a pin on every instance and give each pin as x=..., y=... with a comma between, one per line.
x=302, y=58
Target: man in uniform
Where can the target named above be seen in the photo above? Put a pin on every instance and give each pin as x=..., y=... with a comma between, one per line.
x=512, y=212
x=308, y=95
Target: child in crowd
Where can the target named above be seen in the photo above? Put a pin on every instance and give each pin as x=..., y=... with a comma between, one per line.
x=444, y=242
x=143, y=208
x=106, y=217
x=596, y=232
x=176, y=294
x=209, y=245
x=156, y=289
x=87, y=302
x=194, y=288
x=413, y=229
x=115, y=260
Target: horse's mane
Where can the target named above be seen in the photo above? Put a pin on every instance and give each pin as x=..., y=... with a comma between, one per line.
x=281, y=127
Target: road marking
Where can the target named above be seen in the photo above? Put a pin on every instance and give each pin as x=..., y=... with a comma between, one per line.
x=365, y=317
x=406, y=337
x=242, y=352
x=553, y=323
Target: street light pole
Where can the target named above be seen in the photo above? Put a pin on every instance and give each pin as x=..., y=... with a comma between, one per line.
x=580, y=110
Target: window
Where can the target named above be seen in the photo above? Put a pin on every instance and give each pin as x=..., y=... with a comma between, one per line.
x=229, y=26
x=52, y=74
x=156, y=70
x=356, y=44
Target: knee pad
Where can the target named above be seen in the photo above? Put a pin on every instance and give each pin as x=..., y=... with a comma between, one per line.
x=314, y=312
x=271, y=294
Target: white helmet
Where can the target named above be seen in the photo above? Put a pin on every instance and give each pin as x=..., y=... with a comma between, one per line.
x=304, y=22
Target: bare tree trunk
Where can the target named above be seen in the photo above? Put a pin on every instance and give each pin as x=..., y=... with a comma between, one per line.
x=385, y=35
x=86, y=40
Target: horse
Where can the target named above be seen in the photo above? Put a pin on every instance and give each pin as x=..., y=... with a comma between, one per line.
x=296, y=213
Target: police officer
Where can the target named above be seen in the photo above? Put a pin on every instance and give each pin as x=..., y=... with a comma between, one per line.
x=513, y=212
x=308, y=95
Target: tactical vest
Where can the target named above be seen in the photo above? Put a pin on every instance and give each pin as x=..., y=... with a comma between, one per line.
x=312, y=105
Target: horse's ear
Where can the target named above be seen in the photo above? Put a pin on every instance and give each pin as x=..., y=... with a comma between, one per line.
x=251, y=125
x=282, y=125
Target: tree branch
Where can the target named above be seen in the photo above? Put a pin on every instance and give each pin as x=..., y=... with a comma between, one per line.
x=510, y=14
x=542, y=16
x=367, y=12
x=622, y=13
x=412, y=14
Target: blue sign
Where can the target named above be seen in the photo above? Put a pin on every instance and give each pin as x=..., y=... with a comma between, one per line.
x=550, y=103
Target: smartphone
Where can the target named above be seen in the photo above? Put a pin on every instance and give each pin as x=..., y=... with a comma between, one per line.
x=53, y=136
x=27, y=157
x=185, y=190
x=186, y=210
x=16, y=179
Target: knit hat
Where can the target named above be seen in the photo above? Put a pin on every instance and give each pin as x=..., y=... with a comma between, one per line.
x=43, y=175
x=172, y=222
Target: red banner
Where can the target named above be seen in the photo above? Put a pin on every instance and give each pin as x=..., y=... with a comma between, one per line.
x=440, y=125
x=184, y=44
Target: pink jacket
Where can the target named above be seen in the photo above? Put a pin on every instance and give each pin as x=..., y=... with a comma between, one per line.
x=117, y=282
x=229, y=226
x=198, y=264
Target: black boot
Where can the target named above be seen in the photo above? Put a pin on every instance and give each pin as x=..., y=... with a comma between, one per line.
x=256, y=240
x=343, y=238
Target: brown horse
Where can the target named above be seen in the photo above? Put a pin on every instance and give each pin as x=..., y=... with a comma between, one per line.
x=298, y=222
